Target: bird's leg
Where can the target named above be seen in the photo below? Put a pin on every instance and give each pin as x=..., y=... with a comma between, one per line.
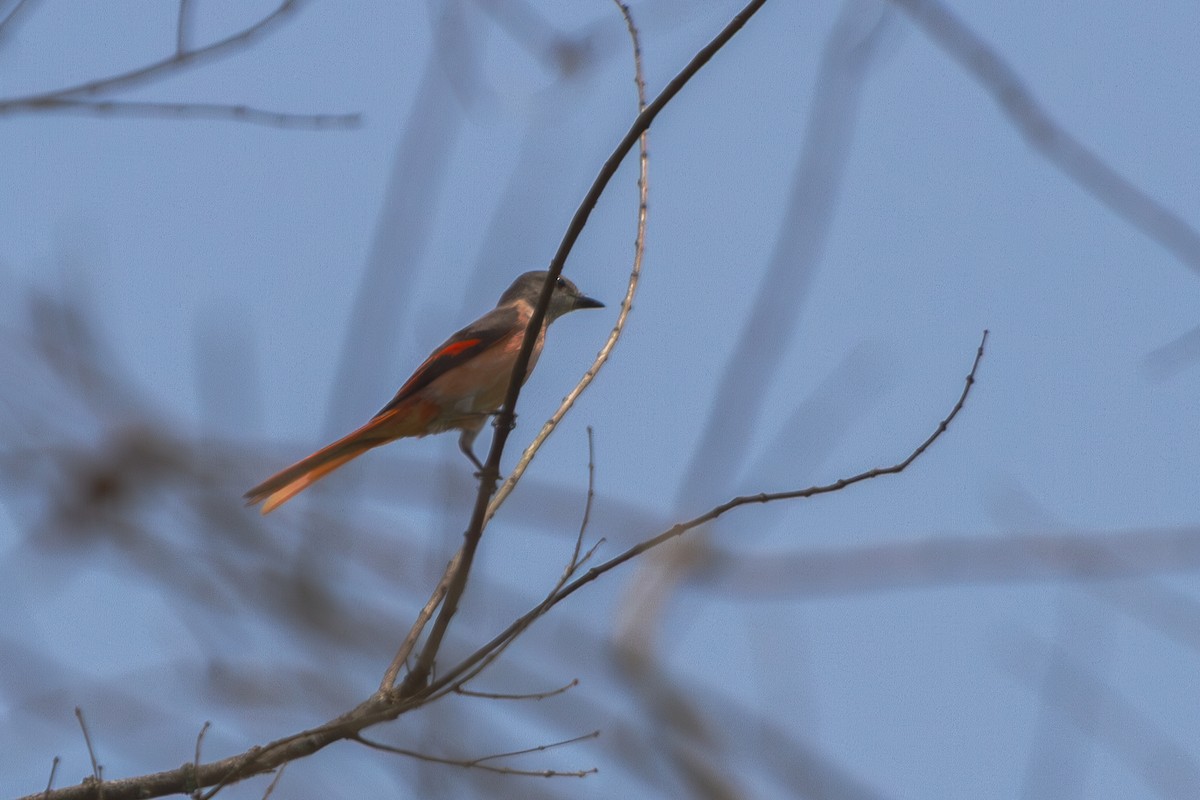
x=465, y=443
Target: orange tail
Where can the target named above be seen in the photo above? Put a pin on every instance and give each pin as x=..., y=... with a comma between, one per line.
x=283, y=486
x=407, y=419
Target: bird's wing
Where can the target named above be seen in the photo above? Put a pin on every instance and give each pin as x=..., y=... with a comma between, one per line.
x=481, y=335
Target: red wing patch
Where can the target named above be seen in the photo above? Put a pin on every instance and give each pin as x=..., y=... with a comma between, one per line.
x=489, y=330
x=454, y=348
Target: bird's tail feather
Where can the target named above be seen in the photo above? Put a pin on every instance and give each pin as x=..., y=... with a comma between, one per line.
x=411, y=418
x=283, y=486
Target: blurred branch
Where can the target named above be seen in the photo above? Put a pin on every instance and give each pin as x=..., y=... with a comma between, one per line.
x=1102, y=713
x=938, y=562
x=415, y=690
x=1048, y=137
x=218, y=111
x=82, y=98
x=20, y=7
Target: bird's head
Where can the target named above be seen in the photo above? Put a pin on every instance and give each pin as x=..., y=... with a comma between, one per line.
x=566, y=296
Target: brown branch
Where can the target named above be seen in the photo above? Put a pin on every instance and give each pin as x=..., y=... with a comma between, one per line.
x=274, y=782
x=1048, y=137
x=79, y=98
x=414, y=633
x=414, y=691
x=505, y=696
x=453, y=677
x=54, y=763
x=639, y=249
x=97, y=769
x=199, y=743
x=393, y=671
x=481, y=763
x=218, y=111
x=505, y=419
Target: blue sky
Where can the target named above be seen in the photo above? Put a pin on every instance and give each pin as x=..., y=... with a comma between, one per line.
x=264, y=290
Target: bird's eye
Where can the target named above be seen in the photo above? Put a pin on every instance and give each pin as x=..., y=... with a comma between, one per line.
x=562, y=283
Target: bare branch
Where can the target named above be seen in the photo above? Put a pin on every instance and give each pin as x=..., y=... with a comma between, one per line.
x=82, y=98
x=274, y=782
x=481, y=763
x=1100, y=711
x=503, y=696
x=639, y=248
x=22, y=6
x=97, y=770
x=414, y=633
x=54, y=763
x=218, y=111
x=505, y=420
x=1050, y=138
x=199, y=743
x=470, y=664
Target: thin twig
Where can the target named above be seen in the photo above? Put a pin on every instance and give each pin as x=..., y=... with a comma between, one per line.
x=569, y=571
x=489, y=475
x=97, y=770
x=199, y=743
x=639, y=249
x=414, y=633
x=587, y=505
x=1048, y=137
x=505, y=696
x=415, y=691
x=81, y=98
x=174, y=63
x=274, y=781
x=454, y=676
x=481, y=763
x=601, y=359
x=54, y=763
x=218, y=111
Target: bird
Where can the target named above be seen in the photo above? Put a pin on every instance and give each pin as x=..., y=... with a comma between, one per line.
x=462, y=383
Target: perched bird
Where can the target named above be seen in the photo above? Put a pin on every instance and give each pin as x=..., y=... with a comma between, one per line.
x=458, y=387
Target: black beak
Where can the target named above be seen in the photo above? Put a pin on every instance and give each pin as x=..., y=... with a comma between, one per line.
x=583, y=301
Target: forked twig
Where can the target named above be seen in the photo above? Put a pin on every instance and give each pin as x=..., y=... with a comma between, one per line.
x=481, y=763
x=486, y=653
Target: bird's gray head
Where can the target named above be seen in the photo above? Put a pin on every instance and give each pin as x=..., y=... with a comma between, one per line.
x=566, y=296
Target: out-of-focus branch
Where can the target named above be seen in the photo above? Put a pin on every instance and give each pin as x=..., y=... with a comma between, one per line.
x=218, y=111
x=414, y=691
x=21, y=6
x=84, y=98
x=1048, y=137
x=1103, y=714
x=938, y=562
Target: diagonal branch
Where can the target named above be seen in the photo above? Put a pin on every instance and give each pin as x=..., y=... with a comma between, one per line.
x=447, y=682
x=1050, y=138
x=639, y=249
x=489, y=476
x=83, y=98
